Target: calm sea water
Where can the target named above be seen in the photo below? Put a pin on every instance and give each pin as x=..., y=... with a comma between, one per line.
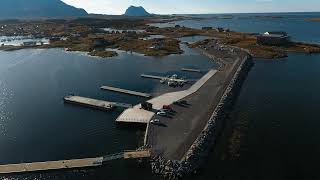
x=36, y=125
x=275, y=115
x=273, y=132
x=293, y=23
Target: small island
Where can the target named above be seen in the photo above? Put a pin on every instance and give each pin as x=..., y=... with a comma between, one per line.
x=313, y=19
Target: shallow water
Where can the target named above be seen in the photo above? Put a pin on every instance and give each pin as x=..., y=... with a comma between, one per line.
x=154, y=37
x=110, y=30
x=193, y=39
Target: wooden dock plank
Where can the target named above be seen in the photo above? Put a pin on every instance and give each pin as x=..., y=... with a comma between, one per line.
x=125, y=91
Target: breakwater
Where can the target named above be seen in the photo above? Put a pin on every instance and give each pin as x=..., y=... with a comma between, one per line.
x=199, y=150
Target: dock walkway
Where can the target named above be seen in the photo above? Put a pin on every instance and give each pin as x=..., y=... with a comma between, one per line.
x=50, y=165
x=70, y=164
x=125, y=91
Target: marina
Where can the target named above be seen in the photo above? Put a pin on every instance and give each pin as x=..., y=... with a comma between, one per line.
x=135, y=93
x=252, y=146
x=138, y=115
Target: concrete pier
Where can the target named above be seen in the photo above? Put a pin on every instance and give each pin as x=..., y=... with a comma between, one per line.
x=191, y=70
x=94, y=103
x=125, y=91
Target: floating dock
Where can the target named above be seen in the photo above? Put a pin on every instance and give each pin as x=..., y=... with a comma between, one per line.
x=163, y=78
x=152, y=77
x=191, y=70
x=135, y=93
x=70, y=164
x=95, y=103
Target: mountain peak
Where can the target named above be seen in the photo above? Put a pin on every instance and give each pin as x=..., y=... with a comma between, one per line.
x=38, y=8
x=136, y=11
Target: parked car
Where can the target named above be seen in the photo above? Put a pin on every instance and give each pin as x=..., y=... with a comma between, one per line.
x=181, y=102
x=155, y=121
x=167, y=107
x=161, y=113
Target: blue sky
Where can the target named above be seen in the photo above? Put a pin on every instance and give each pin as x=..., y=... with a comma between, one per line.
x=197, y=6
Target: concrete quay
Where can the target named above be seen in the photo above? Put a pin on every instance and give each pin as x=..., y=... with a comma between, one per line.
x=181, y=144
x=94, y=103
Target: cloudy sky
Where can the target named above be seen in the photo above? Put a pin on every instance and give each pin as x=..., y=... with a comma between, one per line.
x=197, y=6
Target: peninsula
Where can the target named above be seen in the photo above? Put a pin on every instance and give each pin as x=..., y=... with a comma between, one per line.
x=103, y=36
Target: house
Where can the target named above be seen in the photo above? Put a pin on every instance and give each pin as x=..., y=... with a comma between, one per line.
x=273, y=38
x=157, y=46
x=31, y=43
x=226, y=30
x=53, y=39
x=206, y=28
x=219, y=29
x=75, y=35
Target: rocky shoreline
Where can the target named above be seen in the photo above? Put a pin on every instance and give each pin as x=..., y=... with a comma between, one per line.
x=199, y=150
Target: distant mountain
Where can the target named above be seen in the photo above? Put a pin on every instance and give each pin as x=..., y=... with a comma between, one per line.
x=38, y=8
x=136, y=11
